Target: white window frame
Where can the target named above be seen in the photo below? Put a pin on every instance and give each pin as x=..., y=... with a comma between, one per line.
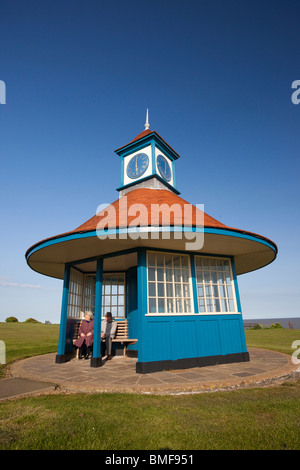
x=107, y=309
x=77, y=294
x=75, y=297
x=211, y=284
x=191, y=298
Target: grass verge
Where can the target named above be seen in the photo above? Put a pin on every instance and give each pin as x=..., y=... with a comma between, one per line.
x=266, y=418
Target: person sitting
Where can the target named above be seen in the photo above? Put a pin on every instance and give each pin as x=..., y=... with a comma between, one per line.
x=86, y=334
x=108, y=332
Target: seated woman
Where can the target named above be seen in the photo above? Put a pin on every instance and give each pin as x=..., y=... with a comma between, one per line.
x=86, y=335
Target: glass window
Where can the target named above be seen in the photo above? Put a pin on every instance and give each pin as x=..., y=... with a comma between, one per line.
x=169, y=283
x=113, y=294
x=215, y=285
x=75, y=294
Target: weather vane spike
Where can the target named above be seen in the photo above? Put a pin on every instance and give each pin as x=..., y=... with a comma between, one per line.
x=147, y=125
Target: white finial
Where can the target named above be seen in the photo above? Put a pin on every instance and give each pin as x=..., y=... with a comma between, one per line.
x=147, y=125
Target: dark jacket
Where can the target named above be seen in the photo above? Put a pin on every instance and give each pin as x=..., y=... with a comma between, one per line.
x=85, y=328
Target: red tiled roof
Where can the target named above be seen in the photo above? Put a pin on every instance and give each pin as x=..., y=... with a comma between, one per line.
x=141, y=206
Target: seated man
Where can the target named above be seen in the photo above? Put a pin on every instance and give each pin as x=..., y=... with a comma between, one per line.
x=86, y=334
x=108, y=332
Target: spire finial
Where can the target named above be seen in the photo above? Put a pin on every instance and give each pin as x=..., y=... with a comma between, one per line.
x=147, y=125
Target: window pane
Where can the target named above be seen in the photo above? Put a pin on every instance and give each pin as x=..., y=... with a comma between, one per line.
x=170, y=305
x=178, y=304
x=151, y=274
x=114, y=289
x=160, y=289
x=219, y=265
x=177, y=275
x=169, y=276
x=200, y=291
x=152, y=290
x=160, y=274
x=222, y=290
x=187, y=306
x=178, y=290
x=231, y=305
x=160, y=259
x=161, y=305
x=186, y=290
x=168, y=261
x=217, y=305
x=184, y=261
x=169, y=290
x=214, y=277
x=151, y=259
x=215, y=291
x=121, y=289
x=152, y=305
x=185, y=275
x=176, y=261
x=208, y=291
x=226, y=265
x=229, y=291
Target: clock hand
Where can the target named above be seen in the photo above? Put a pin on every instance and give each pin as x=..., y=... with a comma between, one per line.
x=136, y=169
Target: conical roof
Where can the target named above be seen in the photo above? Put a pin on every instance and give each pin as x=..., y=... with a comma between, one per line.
x=152, y=218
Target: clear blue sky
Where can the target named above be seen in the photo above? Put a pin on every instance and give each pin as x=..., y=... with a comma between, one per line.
x=216, y=76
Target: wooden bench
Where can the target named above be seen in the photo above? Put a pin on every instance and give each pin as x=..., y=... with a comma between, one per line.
x=121, y=335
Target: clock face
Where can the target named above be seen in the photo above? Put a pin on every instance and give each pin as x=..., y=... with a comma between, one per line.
x=137, y=165
x=164, y=167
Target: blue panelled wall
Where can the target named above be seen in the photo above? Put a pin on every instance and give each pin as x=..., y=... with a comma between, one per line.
x=188, y=340
x=165, y=341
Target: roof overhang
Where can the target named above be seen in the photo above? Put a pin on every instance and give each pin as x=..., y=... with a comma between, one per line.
x=250, y=251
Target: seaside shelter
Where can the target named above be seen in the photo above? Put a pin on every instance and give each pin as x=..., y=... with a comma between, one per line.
x=157, y=262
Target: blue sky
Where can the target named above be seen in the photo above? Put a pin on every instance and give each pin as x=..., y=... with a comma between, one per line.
x=216, y=77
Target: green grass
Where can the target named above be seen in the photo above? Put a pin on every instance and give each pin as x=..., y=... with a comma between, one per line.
x=262, y=418
x=246, y=419
x=277, y=339
x=27, y=339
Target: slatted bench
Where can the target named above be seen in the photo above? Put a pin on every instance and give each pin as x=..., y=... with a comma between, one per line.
x=121, y=335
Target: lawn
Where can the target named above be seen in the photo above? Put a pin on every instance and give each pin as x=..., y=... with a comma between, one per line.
x=276, y=339
x=266, y=418
x=27, y=339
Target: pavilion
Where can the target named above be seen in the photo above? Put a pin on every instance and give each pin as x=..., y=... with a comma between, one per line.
x=157, y=261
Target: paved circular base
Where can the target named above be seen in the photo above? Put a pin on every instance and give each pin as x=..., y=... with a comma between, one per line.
x=118, y=375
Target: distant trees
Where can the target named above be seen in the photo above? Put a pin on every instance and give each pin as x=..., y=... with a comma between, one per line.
x=11, y=319
x=14, y=319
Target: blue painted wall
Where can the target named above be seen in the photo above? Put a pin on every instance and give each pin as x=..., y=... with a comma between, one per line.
x=180, y=337
x=186, y=336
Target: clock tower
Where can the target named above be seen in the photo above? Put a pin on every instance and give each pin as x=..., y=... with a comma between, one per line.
x=147, y=162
